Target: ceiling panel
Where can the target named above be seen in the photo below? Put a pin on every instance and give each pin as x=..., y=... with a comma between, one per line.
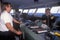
x=30, y=3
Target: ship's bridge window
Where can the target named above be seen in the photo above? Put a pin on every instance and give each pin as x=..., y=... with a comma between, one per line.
x=25, y=11
x=12, y=11
x=20, y=10
x=55, y=9
x=40, y=10
x=32, y=10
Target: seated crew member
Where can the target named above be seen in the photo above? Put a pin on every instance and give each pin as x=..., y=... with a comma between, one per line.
x=48, y=18
x=6, y=29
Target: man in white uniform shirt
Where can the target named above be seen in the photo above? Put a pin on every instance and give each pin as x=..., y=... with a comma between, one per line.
x=6, y=29
x=0, y=11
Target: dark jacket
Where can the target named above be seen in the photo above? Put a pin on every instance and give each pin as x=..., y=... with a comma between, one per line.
x=49, y=20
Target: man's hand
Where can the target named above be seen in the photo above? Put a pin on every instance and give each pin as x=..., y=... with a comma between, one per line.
x=21, y=22
x=18, y=32
x=8, y=25
x=52, y=17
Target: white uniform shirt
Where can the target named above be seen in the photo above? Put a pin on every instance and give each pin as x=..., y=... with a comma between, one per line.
x=5, y=18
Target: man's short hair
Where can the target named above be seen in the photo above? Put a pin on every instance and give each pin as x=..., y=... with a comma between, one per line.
x=47, y=9
x=5, y=4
